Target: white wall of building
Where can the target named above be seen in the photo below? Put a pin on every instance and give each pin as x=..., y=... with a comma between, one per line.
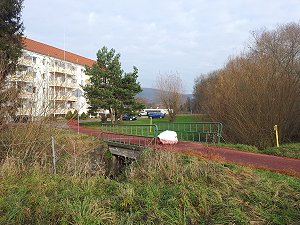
x=52, y=87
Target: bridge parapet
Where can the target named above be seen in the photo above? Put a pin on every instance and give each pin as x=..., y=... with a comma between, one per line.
x=146, y=134
x=208, y=132
x=129, y=134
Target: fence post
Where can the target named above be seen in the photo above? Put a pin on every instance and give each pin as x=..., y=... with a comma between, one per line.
x=150, y=124
x=53, y=155
x=276, y=135
x=220, y=126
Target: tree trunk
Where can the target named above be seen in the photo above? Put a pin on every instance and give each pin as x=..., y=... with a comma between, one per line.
x=112, y=115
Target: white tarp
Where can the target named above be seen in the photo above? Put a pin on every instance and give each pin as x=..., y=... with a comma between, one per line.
x=168, y=137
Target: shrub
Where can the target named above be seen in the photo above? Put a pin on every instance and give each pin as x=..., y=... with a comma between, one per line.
x=103, y=118
x=69, y=115
x=75, y=114
x=83, y=116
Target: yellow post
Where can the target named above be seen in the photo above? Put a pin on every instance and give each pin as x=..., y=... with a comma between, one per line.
x=276, y=134
x=150, y=124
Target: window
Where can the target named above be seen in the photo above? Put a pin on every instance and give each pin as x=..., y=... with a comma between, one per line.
x=19, y=85
x=18, y=74
x=62, y=79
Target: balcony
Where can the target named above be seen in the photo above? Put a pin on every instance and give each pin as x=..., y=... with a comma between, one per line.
x=57, y=97
x=61, y=83
x=24, y=112
x=70, y=85
x=62, y=70
x=58, y=111
x=61, y=111
x=72, y=99
x=27, y=61
x=24, y=76
x=62, y=97
x=26, y=95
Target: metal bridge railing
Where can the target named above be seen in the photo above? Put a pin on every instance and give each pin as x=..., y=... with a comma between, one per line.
x=129, y=134
x=146, y=134
x=209, y=132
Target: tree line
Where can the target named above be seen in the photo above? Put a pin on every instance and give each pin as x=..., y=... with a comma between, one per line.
x=257, y=89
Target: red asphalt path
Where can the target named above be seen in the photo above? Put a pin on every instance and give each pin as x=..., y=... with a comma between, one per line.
x=275, y=163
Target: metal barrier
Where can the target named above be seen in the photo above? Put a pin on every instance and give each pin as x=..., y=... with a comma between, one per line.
x=209, y=132
x=145, y=134
x=130, y=135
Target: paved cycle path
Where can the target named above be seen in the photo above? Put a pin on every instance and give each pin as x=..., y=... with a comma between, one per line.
x=256, y=160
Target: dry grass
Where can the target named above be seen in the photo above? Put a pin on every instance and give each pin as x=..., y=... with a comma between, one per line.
x=160, y=188
x=30, y=145
x=188, y=190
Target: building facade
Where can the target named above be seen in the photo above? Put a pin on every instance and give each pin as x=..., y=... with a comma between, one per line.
x=50, y=80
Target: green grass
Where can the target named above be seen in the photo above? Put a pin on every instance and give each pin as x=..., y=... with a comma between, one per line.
x=181, y=118
x=291, y=150
x=160, y=188
x=239, y=147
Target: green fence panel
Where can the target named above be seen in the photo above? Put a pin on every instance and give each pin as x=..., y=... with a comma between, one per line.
x=145, y=134
x=129, y=134
x=209, y=132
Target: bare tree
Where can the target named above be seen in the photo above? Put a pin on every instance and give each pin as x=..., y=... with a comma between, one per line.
x=9, y=100
x=170, y=93
x=258, y=89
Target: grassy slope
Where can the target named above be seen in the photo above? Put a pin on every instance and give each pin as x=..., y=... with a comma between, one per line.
x=291, y=150
x=161, y=188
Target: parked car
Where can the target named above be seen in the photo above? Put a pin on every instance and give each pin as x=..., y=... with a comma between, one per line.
x=156, y=115
x=129, y=117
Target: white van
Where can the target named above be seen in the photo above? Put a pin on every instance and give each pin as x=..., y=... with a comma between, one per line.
x=145, y=112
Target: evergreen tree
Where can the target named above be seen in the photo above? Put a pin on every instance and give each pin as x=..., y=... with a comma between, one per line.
x=11, y=31
x=110, y=88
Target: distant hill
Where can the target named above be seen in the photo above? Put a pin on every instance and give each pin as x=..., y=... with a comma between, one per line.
x=150, y=94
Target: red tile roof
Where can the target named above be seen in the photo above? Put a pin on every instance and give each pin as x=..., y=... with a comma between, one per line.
x=48, y=50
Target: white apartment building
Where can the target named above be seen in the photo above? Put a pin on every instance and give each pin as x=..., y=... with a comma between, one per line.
x=50, y=79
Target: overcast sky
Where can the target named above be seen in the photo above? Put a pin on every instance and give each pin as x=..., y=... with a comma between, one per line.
x=188, y=37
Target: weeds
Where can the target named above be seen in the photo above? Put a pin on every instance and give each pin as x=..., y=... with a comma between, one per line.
x=188, y=190
x=24, y=146
x=159, y=188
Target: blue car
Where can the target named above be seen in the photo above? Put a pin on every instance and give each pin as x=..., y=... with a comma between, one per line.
x=156, y=115
x=129, y=117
